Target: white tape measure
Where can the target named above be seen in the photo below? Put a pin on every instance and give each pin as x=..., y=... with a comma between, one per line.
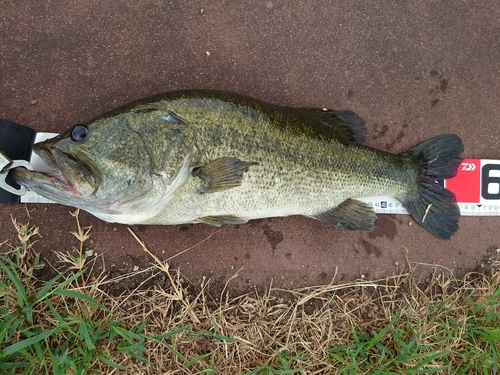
x=476, y=186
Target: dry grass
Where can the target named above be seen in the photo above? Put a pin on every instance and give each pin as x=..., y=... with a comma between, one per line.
x=393, y=325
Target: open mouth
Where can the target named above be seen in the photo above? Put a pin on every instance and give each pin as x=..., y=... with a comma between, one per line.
x=65, y=172
x=57, y=179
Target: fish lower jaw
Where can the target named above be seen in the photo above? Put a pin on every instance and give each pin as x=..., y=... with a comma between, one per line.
x=44, y=183
x=59, y=181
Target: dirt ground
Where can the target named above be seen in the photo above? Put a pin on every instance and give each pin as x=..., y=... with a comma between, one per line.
x=411, y=69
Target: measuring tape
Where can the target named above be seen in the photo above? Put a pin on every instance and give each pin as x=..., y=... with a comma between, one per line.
x=476, y=187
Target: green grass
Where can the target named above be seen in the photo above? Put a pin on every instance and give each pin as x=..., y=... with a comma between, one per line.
x=74, y=334
x=286, y=363
x=70, y=338
x=465, y=339
x=392, y=350
x=50, y=328
x=71, y=325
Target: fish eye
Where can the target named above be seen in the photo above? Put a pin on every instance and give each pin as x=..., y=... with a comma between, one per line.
x=172, y=118
x=79, y=133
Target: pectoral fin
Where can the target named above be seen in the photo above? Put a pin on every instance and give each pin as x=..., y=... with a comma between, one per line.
x=223, y=219
x=351, y=215
x=221, y=174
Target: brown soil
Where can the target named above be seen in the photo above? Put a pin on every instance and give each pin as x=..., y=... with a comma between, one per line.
x=411, y=70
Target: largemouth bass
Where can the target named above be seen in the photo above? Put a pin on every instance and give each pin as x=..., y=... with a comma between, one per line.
x=221, y=158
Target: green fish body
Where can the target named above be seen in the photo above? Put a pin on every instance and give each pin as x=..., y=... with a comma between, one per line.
x=216, y=157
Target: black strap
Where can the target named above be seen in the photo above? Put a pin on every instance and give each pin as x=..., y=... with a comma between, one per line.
x=16, y=142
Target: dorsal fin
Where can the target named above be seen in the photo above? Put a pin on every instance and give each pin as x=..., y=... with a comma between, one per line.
x=344, y=126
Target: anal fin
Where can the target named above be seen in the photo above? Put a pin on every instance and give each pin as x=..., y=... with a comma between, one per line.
x=222, y=219
x=221, y=174
x=350, y=214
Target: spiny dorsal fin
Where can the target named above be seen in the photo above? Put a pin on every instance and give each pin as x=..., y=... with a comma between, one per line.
x=351, y=215
x=221, y=174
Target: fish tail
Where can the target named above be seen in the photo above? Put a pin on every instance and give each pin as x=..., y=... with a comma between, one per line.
x=433, y=206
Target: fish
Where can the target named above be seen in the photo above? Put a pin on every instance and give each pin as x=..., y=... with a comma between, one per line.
x=214, y=157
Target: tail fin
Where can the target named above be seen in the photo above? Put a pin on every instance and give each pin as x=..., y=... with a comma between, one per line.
x=435, y=207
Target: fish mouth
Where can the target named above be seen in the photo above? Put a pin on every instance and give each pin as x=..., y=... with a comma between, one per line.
x=67, y=174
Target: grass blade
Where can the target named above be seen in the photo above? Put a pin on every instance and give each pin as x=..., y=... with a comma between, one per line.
x=78, y=295
x=42, y=294
x=106, y=360
x=29, y=342
x=10, y=270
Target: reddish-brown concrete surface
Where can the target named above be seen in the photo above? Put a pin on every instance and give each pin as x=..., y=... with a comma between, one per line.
x=411, y=69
